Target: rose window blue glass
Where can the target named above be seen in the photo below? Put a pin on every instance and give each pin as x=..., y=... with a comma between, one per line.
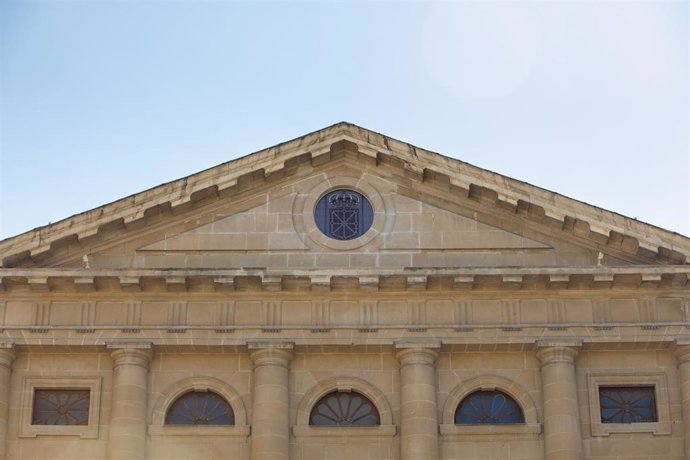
x=344, y=408
x=200, y=408
x=343, y=214
x=488, y=408
x=61, y=407
x=627, y=404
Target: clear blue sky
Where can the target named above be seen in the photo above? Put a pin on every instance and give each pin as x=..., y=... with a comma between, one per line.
x=102, y=99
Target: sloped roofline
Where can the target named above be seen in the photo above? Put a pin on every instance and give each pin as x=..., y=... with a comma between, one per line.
x=368, y=142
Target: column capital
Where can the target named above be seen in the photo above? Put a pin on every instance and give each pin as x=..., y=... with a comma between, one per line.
x=417, y=352
x=681, y=349
x=134, y=353
x=551, y=351
x=7, y=354
x=270, y=353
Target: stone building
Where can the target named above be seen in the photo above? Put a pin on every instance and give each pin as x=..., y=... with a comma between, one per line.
x=345, y=296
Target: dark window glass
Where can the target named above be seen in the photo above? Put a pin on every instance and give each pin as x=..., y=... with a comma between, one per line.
x=61, y=407
x=488, y=408
x=343, y=214
x=344, y=408
x=627, y=404
x=200, y=408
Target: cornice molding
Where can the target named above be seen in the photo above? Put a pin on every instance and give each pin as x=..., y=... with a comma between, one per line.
x=500, y=279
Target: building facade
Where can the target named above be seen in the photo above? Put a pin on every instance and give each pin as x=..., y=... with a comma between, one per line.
x=345, y=295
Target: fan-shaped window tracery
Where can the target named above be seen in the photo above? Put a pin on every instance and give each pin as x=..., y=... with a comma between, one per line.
x=344, y=408
x=200, y=408
x=488, y=408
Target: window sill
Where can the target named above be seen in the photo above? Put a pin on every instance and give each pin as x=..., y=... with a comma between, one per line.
x=493, y=432
x=83, y=431
x=606, y=429
x=179, y=430
x=308, y=431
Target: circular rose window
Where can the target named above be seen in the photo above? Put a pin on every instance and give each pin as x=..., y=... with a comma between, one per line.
x=343, y=214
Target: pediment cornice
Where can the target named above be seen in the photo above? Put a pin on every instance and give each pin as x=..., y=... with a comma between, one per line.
x=600, y=229
x=365, y=280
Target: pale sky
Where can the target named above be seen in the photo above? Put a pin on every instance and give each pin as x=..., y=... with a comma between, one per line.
x=103, y=99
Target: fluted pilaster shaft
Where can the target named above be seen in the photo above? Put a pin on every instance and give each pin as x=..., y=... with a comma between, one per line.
x=127, y=440
x=562, y=439
x=419, y=413
x=270, y=439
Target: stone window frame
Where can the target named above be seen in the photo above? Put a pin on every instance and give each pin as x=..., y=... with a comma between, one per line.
x=302, y=428
x=305, y=204
x=640, y=377
x=239, y=431
x=33, y=383
x=531, y=429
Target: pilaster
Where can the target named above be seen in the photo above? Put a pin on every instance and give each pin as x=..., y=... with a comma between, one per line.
x=562, y=438
x=419, y=410
x=127, y=440
x=270, y=439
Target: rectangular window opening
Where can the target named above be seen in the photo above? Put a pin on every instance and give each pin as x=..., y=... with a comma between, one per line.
x=628, y=404
x=62, y=407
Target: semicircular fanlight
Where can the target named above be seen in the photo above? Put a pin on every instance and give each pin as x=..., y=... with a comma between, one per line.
x=488, y=408
x=344, y=408
x=200, y=408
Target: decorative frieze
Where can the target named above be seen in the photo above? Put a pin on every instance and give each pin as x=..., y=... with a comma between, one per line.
x=685, y=308
x=510, y=314
x=417, y=313
x=462, y=314
x=647, y=310
x=332, y=312
x=368, y=316
x=320, y=316
x=177, y=317
x=556, y=314
x=601, y=312
x=42, y=314
x=132, y=317
x=272, y=316
x=225, y=316
x=88, y=314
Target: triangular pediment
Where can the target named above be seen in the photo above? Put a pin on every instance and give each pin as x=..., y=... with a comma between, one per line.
x=421, y=227
x=433, y=212
x=275, y=228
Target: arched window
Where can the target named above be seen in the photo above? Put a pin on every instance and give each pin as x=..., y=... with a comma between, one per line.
x=200, y=408
x=488, y=408
x=344, y=408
